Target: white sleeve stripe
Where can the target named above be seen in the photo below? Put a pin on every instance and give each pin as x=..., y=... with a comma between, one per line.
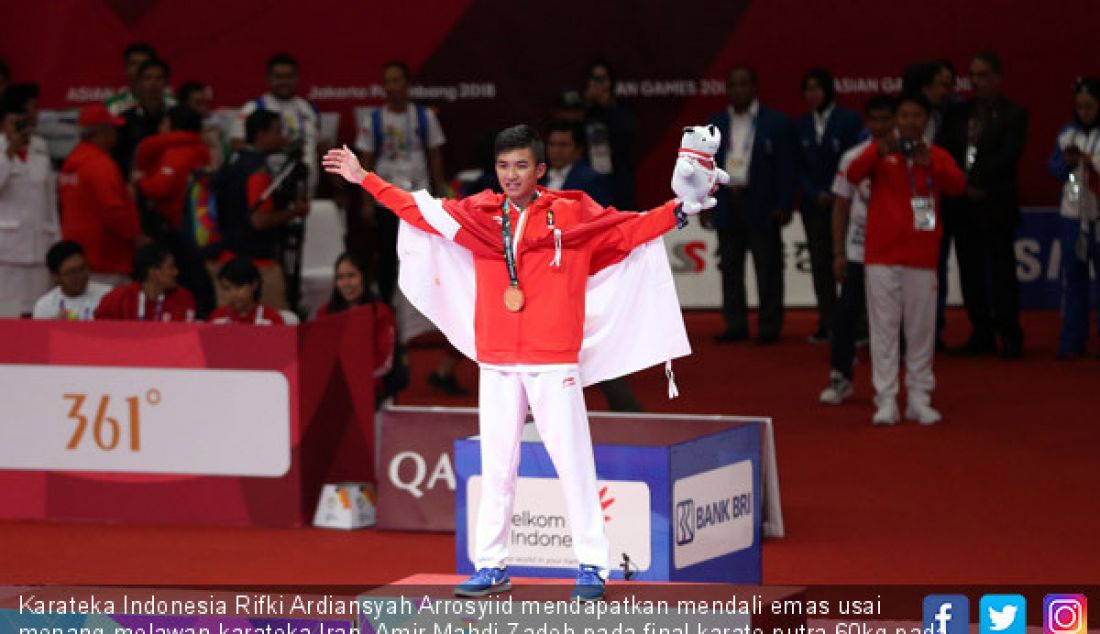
x=436, y=216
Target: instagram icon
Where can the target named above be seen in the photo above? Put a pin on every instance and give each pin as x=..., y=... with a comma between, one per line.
x=1065, y=614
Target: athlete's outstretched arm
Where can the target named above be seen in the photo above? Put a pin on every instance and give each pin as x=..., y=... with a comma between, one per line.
x=343, y=161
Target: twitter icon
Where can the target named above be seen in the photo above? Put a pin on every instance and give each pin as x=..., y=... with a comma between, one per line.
x=1002, y=614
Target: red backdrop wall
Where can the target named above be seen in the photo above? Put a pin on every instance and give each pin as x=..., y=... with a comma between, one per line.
x=663, y=51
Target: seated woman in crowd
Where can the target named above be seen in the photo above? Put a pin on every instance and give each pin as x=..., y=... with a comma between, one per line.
x=353, y=291
x=240, y=282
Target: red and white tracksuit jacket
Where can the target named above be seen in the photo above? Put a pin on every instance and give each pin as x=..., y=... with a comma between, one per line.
x=550, y=328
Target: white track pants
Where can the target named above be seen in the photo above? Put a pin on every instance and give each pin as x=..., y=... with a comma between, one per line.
x=557, y=401
x=901, y=297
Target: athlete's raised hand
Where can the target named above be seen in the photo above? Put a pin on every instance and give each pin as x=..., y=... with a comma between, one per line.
x=343, y=161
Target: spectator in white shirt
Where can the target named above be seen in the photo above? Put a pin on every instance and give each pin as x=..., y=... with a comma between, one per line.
x=75, y=297
x=28, y=202
x=402, y=142
x=301, y=121
x=849, y=228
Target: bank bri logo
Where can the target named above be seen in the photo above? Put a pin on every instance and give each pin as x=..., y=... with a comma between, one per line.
x=685, y=522
x=946, y=614
x=692, y=517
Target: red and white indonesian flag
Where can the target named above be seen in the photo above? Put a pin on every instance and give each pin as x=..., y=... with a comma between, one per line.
x=632, y=314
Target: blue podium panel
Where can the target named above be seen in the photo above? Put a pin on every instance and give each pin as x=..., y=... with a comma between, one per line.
x=680, y=495
x=717, y=513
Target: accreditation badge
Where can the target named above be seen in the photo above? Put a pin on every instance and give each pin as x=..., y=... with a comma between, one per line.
x=738, y=169
x=924, y=213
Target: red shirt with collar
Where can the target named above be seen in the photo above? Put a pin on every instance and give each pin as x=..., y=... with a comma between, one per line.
x=892, y=238
x=260, y=315
x=129, y=303
x=550, y=327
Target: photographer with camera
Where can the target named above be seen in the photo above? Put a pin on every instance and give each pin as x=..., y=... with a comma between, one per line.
x=28, y=205
x=256, y=204
x=901, y=254
x=300, y=119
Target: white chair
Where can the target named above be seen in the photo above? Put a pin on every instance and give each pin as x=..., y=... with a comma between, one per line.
x=324, y=240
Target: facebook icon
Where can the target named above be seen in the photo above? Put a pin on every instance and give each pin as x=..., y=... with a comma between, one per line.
x=946, y=614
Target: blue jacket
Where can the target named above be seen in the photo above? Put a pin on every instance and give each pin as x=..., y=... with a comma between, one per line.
x=1057, y=164
x=771, y=170
x=583, y=178
x=817, y=162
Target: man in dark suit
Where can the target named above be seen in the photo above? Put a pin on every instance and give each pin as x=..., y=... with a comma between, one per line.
x=824, y=134
x=758, y=152
x=986, y=136
x=568, y=168
x=611, y=132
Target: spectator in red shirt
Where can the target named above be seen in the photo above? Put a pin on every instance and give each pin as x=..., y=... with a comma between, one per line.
x=165, y=162
x=240, y=282
x=352, y=290
x=904, y=226
x=154, y=295
x=98, y=209
x=165, y=168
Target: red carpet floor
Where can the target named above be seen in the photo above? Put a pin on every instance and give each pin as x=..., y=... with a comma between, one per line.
x=1003, y=491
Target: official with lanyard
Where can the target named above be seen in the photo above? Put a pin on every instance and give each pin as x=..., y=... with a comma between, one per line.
x=155, y=296
x=902, y=255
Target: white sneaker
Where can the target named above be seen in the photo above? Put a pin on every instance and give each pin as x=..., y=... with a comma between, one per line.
x=839, y=389
x=922, y=413
x=886, y=414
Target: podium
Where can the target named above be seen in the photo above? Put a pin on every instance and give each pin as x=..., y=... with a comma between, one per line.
x=682, y=500
x=183, y=423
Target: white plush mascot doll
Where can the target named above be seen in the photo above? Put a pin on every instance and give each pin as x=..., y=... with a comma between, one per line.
x=696, y=176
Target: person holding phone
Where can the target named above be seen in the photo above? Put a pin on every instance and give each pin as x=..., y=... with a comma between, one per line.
x=901, y=255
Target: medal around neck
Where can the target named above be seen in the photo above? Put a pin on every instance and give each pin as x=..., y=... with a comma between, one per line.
x=513, y=296
x=513, y=299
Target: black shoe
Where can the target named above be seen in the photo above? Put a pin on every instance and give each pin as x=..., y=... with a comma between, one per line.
x=821, y=336
x=730, y=336
x=1012, y=348
x=976, y=347
x=766, y=340
x=448, y=385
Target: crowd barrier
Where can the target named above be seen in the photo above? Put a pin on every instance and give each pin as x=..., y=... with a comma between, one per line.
x=183, y=423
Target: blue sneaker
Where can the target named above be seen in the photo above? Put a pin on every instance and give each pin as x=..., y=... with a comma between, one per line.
x=589, y=584
x=485, y=581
